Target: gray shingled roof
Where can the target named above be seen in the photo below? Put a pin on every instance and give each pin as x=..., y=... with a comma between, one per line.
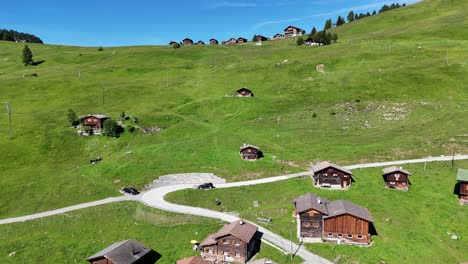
x=395, y=169
x=462, y=175
x=98, y=116
x=244, y=232
x=326, y=164
x=248, y=146
x=123, y=252
x=341, y=207
x=309, y=201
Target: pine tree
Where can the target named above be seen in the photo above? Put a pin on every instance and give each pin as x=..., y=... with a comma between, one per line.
x=374, y=13
x=328, y=24
x=368, y=14
x=340, y=21
x=313, y=32
x=27, y=56
x=334, y=37
x=350, y=16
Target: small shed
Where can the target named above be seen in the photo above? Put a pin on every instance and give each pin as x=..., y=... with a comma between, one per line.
x=95, y=122
x=214, y=41
x=261, y=38
x=396, y=178
x=231, y=41
x=330, y=175
x=244, y=92
x=200, y=42
x=125, y=252
x=241, y=40
x=250, y=152
x=187, y=41
x=462, y=179
x=278, y=36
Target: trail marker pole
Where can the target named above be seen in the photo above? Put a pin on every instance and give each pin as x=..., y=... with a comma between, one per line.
x=446, y=58
x=7, y=104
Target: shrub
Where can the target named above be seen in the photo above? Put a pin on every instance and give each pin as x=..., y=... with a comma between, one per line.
x=88, y=130
x=300, y=41
x=314, y=115
x=100, y=49
x=73, y=118
x=176, y=45
x=111, y=128
x=130, y=129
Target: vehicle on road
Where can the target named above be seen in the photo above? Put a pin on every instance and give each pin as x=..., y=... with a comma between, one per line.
x=130, y=190
x=205, y=186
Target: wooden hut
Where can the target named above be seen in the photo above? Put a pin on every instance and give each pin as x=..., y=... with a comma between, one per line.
x=330, y=175
x=278, y=36
x=396, y=178
x=244, y=92
x=95, y=122
x=231, y=41
x=200, y=42
x=125, y=252
x=249, y=152
x=187, y=41
x=214, y=41
x=241, y=40
x=462, y=178
x=338, y=221
x=291, y=31
x=261, y=38
x=235, y=242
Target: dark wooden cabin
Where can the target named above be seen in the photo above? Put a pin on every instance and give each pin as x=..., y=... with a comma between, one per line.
x=396, y=178
x=309, y=212
x=291, y=31
x=339, y=221
x=200, y=42
x=244, y=92
x=95, y=122
x=235, y=242
x=231, y=41
x=125, y=252
x=261, y=38
x=249, y=152
x=330, y=175
x=187, y=41
x=278, y=36
x=214, y=41
x=462, y=178
x=241, y=40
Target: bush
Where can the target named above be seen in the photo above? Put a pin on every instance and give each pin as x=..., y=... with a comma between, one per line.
x=111, y=128
x=176, y=45
x=130, y=129
x=88, y=130
x=100, y=49
x=314, y=115
x=73, y=118
x=300, y=41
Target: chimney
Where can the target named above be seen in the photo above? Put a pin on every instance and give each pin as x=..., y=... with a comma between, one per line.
x=245, y=144
x=319, y=201
x=401, y=168
x=241, y=222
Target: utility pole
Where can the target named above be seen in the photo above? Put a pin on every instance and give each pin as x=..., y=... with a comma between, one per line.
x=389, y=47
x=103, y=99
x=446, y=58
x=290, y=239
x=7, y=104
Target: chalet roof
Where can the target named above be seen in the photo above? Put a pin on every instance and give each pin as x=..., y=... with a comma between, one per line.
x=326, y=164
x=310, y=201
x=395, y=169
x=193, y=260
x=213, y=39
x=298, y=29
x=245, y=146
x=123, y=252
x=341, y=207
x=240, y=229
x=187, y=39
x=278, y=35
x=263, y=261
x=244, y=89
x=462, y=175
x=201, y=42
x=97, y=116
x=241, y=38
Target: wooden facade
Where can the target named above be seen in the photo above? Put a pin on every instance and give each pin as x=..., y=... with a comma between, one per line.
x=330, y=175
x=187, y=41
x=278, y=36
x=261, y=38
x=244, y=92
x=396, y=178
x=231, y=41
x=214, y=41
x=346, y=228
x=249, y=152
x=291, y=31
x=241, y=40
x=311, y=224
x=95, y=122
x=462, y=182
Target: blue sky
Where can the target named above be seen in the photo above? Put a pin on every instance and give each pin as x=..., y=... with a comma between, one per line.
x=156, y=22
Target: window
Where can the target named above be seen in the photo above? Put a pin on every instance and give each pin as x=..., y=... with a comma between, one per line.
x=226, y=253
x=340, y=235
x=359, y=236
x=237, y=242
x=330, y=234
x=325, y=174
x=237, y=255
x=334, y=174
x=350, y=236
x=210, y=251
x=225, y=241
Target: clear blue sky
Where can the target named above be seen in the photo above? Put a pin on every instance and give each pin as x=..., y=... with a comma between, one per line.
x=155, y=22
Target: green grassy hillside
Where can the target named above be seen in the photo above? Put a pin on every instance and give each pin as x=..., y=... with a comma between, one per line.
x=372, y=103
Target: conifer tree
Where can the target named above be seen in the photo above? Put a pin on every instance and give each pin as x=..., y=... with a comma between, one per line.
x=313, y=32
x=27, y=56
x=350, y=16
x=328, y=24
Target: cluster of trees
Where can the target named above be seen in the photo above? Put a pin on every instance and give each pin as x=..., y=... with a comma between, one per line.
x=322, y=37
x=12, y=35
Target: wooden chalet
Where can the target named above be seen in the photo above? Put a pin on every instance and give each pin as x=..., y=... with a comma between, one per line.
x=462, y=178
x=193, y=260
x=214, y=41
x=200, y=42
x=291, y=31
x=125, y=252
x=234, y=242
x=396, y=178
x=187, y=41
x=231, y=41
x=244, y=92
x=330, y=175
x=249, y=152
x=338, y=221
x=261, y=38
x=278, y=36
x=95, y=122
x=241, y=40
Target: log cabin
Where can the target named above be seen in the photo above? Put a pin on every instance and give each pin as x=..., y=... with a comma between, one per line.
x=291, y=31
x=193, y=260
x=261, y=38
x=278, y=36
x=200, y=42
x=462, y=179
x=338, y=221
x=241, y=40
x=231, y=41
x=249, y=152
x=95, y=122
x=187, y=41
x=396, y=178
x=330, y=175
x=235, y=242
x=214, y=41
x=125, y=252
x=244, y=92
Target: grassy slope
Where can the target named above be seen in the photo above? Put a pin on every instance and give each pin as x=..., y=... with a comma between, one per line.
x=412, y=226
x=85, y=232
